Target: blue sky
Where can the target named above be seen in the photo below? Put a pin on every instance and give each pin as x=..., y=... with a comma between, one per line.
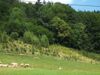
x=81, y=2
x=86, y=2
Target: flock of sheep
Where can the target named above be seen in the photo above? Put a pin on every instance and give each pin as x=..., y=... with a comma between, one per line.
x=14, y=65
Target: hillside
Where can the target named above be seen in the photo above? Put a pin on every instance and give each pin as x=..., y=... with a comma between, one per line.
x=54, y=51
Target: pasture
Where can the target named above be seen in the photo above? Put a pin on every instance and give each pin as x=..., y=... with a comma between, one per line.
x=47, y=65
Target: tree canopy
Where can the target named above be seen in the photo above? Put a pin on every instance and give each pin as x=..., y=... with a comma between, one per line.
x=49, y=23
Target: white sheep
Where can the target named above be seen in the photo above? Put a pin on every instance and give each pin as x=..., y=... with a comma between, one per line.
x=27, y=65
x=3, y=65
x=22, y=65
x=13, y=65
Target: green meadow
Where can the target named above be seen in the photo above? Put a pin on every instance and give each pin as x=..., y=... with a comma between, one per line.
x=47, y=65
x=46, y=72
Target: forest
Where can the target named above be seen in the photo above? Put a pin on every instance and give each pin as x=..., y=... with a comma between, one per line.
x=28, y=28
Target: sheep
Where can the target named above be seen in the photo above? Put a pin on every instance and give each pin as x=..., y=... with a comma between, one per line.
x=3, y=65
x=21, y=65
x=13, y=65
x=26, y=65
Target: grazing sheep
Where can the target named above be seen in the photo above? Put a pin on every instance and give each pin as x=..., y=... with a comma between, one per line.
x=26, y=65
x=3, y=65
x=22, y=65
x=13, y=65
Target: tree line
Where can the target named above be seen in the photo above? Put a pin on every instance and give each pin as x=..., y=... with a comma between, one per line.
x=49, y=23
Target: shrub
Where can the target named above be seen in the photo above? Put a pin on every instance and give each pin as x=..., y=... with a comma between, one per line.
x=40, y=30
x=44, y=41
x=14, y=35
x=4, y=38
x=29, y=37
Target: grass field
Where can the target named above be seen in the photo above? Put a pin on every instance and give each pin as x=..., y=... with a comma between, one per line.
x=47, y=65
x=45, y=72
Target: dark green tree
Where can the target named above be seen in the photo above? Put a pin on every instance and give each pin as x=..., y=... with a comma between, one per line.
x=79, y=37
x=16, y=21
x=61, y=29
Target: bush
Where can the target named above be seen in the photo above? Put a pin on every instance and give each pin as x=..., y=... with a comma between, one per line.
x=29, y=37
x=4, y=38
x=40, y=30
x=14, y=35
x=44, y=41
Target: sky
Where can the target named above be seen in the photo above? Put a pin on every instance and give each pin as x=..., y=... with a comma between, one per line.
x=86, y=2
x=81, y=2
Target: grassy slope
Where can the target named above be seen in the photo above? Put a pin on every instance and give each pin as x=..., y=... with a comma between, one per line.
x=48, y=65
x=76, y=55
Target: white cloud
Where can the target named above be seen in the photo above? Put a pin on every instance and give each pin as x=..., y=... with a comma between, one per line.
x=62, y=1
